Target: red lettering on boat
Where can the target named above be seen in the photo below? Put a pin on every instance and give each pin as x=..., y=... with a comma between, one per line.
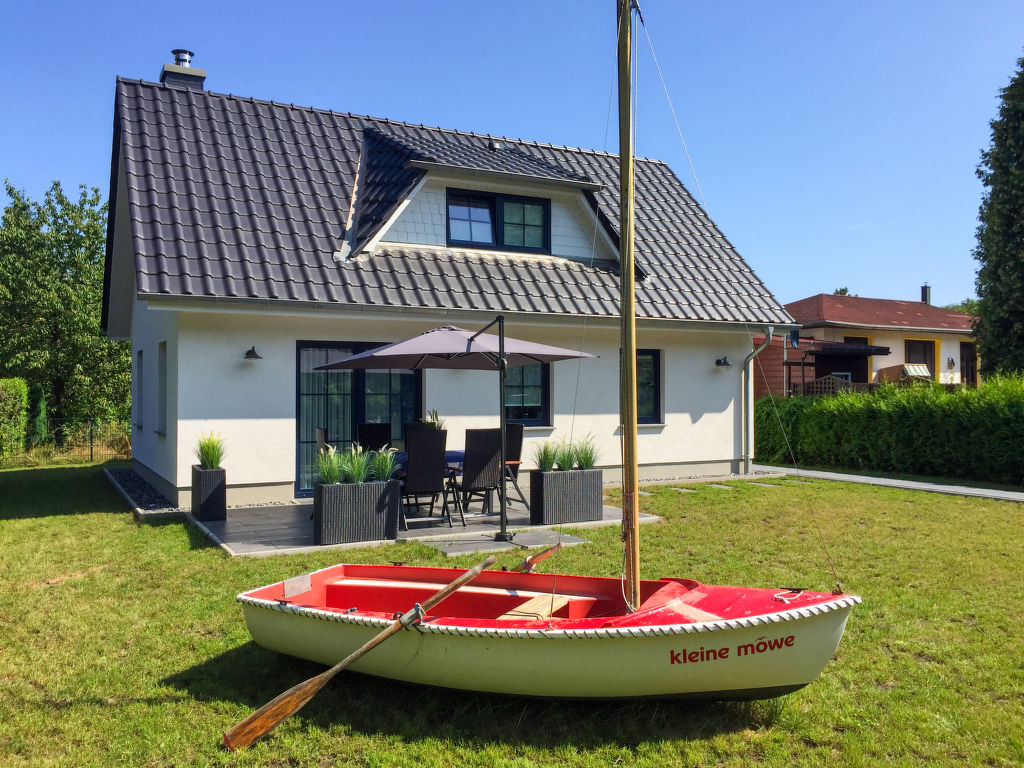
x=674, y=658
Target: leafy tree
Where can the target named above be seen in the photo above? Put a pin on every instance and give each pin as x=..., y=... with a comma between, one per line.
x=999, y=329
x=844, y=291
x=967, y=307
x=51, y=292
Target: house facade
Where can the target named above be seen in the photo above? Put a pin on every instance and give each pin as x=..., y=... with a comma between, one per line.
x=250, y=242
x=914, y=332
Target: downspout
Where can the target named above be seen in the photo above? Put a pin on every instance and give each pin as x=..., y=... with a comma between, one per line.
x=747, y=419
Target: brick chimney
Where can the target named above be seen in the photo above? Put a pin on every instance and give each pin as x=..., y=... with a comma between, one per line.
x=181, y=74
x=926, y=294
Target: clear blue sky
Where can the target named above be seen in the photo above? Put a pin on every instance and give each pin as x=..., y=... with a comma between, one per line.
x=835, y=143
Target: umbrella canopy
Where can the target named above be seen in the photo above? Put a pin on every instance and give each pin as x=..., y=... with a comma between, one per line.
x=454, y=348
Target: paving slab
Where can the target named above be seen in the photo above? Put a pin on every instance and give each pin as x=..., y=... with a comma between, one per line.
x=721, y=487
x=683, y=490
x=764, y=485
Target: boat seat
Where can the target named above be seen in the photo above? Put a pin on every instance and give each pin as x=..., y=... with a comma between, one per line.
x=539, y=607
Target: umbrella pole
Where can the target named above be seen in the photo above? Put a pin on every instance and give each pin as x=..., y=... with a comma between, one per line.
x=503, y=534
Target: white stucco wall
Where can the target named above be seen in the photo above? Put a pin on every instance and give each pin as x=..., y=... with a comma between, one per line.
x=252, y=403
x=574, y=233
x=155, y=450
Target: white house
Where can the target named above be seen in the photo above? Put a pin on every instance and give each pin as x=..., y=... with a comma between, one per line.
x=306, y=235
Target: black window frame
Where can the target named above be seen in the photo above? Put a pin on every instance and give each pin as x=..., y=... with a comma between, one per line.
x=496, y=201
x=544, y=420
x=659, y=416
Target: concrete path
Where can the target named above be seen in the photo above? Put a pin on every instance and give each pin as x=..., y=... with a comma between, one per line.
x=910, y=485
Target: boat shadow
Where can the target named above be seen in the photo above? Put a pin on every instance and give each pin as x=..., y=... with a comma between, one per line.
x=251, y=676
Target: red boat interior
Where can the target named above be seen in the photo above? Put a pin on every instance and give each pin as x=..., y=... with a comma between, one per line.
x=501, y=598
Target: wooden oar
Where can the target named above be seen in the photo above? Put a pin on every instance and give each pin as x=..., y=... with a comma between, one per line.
x=527, y=565
x=260, y=722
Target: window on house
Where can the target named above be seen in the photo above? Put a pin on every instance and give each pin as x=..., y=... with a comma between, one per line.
x=921, y=351
x=161, y=388
x=528, y=395
x=506, y=222
x=648, y=386
x=137, y=405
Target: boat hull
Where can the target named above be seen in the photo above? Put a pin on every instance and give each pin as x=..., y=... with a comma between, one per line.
x=753, y=657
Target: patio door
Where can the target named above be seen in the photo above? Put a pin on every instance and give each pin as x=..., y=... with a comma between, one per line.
x=339, y=400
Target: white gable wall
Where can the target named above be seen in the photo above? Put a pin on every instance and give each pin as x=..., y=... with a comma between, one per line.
x=575, y=233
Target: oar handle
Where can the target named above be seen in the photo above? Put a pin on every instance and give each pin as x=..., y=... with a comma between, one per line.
x=527, y=565
x=264, y=719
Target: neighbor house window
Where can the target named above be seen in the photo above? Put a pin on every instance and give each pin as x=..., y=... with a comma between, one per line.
x=506, y=222
x=921, y=351
x=161, y=388
x=648, y=386
x=528, y=394
x=138, y=390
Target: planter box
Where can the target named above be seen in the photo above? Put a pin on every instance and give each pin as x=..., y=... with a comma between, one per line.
x=344, y=512
x=209, y=494
x=565, y=497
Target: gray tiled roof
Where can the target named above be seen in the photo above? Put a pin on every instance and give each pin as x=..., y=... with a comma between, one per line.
x=238, y=198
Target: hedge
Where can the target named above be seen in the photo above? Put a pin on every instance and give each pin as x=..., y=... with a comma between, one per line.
x=976, y=434
x=13, y=416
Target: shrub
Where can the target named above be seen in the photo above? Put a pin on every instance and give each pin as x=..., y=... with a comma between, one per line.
x=210, y=450
x=13, y=416
x=920, y=429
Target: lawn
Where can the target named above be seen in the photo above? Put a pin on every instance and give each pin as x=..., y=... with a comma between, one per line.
x=121, y=643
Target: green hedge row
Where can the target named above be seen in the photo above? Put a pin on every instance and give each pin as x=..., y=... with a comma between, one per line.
x=13, y=416
x=976, y=434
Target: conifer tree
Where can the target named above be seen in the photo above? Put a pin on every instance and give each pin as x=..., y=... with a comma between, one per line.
x=999, y=329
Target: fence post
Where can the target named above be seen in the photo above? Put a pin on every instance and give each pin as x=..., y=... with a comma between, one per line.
x=90, y=442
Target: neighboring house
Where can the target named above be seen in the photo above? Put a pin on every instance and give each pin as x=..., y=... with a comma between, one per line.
x=309, y=235
x=914, y=332
x=784, y=368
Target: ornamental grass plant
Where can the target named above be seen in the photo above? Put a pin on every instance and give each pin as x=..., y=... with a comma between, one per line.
x=384, y=464
x=586, y=453
x=210, y=450
x=544, y=456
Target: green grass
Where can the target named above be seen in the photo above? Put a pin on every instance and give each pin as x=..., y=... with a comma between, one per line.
x=121, y=643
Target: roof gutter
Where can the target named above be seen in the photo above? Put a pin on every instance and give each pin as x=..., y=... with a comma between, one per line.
x=747, y=417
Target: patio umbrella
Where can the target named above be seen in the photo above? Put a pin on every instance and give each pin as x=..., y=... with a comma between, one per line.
x=456, y=348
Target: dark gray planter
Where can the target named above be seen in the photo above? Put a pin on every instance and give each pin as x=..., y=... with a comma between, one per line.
x=344, y=512
x=209, y=494
x=565, y=497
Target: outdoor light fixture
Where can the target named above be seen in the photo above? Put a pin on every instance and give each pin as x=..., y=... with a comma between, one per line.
x=252, y=354
x=723, y=362
x=951, y=364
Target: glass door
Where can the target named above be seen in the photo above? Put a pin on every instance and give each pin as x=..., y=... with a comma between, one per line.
x=339, y=400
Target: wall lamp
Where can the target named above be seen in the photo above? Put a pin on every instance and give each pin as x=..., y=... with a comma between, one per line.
x=723, y=362
x=951, y=363
x=252, y=354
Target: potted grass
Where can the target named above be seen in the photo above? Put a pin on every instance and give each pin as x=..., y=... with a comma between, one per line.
x=209, y=485
x=356, y=498
x=565, y=487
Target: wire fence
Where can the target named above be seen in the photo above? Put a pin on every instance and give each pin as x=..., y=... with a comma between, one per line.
x=74, y=441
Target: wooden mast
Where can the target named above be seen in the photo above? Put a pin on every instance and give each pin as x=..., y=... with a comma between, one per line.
x=627, y=308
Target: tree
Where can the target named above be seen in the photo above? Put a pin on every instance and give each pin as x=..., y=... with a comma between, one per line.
x=999, y=329
x=966, y=307
x=51, y=292
x=844, y=291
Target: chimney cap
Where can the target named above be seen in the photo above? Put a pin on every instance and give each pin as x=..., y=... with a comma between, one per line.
x=183, y=57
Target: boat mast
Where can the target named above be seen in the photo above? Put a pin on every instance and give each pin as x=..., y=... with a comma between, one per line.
x=627, y=309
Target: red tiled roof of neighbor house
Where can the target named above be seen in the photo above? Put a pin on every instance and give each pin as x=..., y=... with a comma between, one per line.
x=854, y=311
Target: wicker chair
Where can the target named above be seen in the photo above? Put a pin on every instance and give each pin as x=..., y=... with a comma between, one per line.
x=372, y=436
x=425, y=475
x=481, y=470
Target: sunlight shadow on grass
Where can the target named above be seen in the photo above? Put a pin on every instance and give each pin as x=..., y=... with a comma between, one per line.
x=251, y=676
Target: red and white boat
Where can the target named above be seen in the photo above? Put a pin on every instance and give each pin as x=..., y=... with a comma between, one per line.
x=556, y=635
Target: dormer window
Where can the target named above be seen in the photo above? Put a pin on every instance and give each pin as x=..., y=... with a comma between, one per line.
x=504, y=222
